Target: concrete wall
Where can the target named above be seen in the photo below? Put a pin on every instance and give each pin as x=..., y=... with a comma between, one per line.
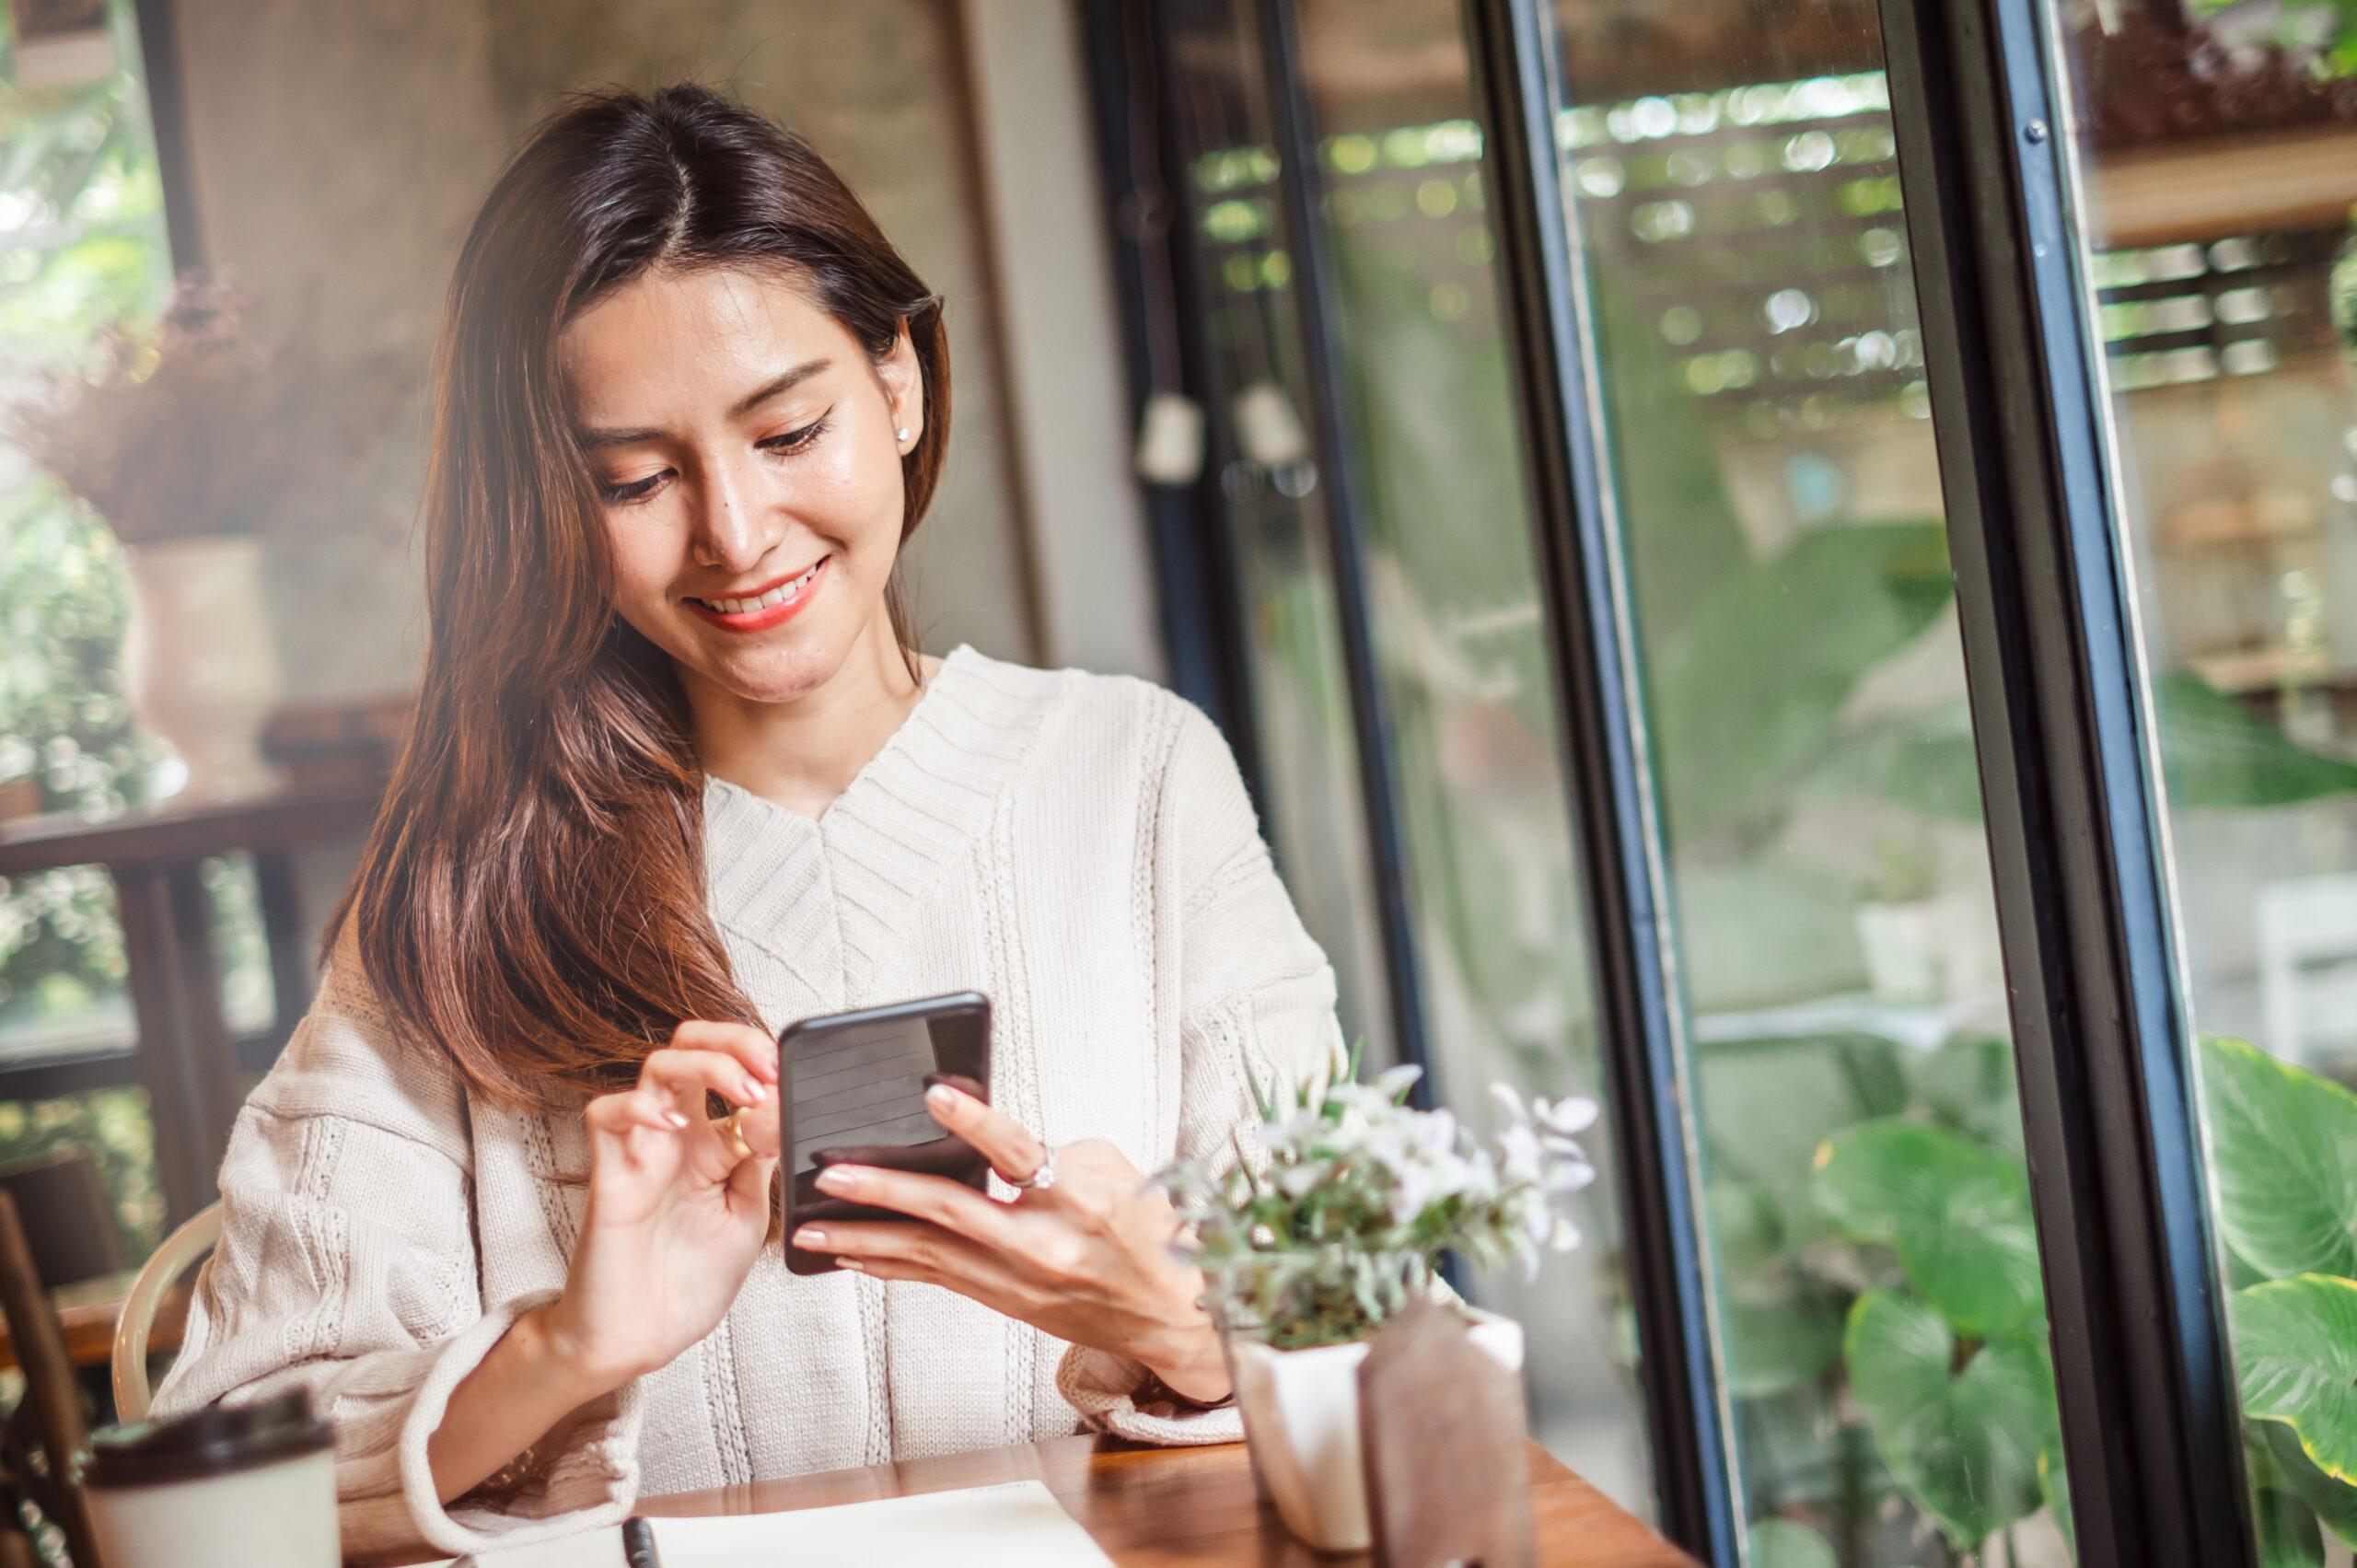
x=339, y=152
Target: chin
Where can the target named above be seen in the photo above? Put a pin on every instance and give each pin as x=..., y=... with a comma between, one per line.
x=793, y=669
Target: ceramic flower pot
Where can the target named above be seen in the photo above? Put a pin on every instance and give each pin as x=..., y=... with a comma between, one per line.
x=1301, y=1423
x=199, y=666
x=1904, y=950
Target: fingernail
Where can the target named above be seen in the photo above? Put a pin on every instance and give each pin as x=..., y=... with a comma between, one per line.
x=853, y=1264
x=941, y=1097
x=755, y=1091
x=674, y=1118
x=810, y=1238
x=837, y=1179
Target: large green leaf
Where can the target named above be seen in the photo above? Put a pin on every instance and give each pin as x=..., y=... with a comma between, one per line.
x=1750, y=697
x=2275, y=1460
x=1780, y=1543
x=2288, y=1537
x=1956, y=1210
x=1779, y=1339
x=1963, y=1446
x=2282, y=1161
x=2295, y=1358
x=1925, y=759
x=2215, y=751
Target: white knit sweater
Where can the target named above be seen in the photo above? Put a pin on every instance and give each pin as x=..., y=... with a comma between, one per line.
x=1077, y=847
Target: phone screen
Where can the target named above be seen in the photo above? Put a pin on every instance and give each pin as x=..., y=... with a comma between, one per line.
x=862, y=1085
x=854, y=1087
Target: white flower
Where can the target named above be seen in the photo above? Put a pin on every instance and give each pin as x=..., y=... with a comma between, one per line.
x=1573, y=1113
x=1520, y=1157
x=1361, y=1193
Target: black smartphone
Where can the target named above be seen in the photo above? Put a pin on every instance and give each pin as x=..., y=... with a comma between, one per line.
x=852, y=1092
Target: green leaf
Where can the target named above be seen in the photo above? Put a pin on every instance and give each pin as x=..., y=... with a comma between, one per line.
x=2282, y=1160
x=2288, y=1537
x=1778, y=1341
x=1925, y=759
x=1750, y=697
x=1780, y=1543
x=2280, y=1463
x=1963, y=1447
x=1956, y=1210
x=2215, y=751
x=2295, y=1358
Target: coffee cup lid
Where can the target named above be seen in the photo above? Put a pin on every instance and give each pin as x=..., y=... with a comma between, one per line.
x=216, y=1440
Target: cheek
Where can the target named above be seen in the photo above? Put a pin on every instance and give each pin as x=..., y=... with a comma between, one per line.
x=852, y=493
x=645, y=558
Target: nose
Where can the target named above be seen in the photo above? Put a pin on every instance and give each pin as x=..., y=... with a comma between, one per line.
x=733, y=528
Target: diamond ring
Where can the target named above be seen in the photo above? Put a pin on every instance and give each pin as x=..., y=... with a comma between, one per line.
x=1039, y=1181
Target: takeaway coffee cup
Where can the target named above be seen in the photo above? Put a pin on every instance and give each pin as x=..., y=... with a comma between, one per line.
x=249, y=1487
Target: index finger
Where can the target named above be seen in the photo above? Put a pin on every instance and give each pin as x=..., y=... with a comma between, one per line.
x=749, y=1045
x=1009, y=1144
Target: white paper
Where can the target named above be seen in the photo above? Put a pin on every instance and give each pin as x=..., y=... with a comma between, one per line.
x=1018, y=1524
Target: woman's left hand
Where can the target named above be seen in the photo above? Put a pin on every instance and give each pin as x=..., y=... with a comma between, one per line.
x=1087, y=1259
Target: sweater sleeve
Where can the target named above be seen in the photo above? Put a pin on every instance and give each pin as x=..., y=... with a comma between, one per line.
x=1257, y=1003
x=347, y=1266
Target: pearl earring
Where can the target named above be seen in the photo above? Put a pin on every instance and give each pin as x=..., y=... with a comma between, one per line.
x=902, y=434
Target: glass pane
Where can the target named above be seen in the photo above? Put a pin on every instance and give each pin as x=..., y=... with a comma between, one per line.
x=1881, y=1327
x=1276, y=505
x=82, y=247
x=1453, y=585
x=2218, y=248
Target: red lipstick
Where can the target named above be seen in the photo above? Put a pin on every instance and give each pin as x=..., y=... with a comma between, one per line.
x=770, y=615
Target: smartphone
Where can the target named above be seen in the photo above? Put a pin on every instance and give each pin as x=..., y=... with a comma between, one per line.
x=852, y=1092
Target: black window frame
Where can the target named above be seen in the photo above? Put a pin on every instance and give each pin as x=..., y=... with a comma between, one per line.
x=2068, y=768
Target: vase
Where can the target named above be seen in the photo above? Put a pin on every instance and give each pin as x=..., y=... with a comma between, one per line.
x=1902, y=944
x=1301, y=1423
x=199, y=666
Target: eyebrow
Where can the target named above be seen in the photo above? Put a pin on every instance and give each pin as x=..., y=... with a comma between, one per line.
x=593, y=439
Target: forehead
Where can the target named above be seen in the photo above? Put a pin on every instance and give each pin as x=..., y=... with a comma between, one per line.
x=666, y=338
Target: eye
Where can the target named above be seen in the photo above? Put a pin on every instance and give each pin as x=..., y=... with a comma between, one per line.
x=796, y=440
x=624, y=494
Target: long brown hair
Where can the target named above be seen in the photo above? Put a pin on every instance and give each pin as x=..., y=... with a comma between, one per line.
x=532, y=898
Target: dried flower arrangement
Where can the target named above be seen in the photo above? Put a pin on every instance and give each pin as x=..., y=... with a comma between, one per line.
x=210, y=425
x=1359, y=1196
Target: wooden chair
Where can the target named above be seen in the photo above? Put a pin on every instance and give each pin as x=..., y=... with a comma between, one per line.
x=51, y=1390
x=183, y=1248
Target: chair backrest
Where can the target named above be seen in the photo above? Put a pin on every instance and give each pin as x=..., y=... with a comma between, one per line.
x=182, y=1249
x=38, y=1340
x=62, y=1203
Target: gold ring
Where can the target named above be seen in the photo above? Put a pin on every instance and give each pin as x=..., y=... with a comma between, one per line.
x=731, y=1129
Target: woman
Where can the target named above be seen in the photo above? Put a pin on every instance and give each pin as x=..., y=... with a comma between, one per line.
x=679, y=778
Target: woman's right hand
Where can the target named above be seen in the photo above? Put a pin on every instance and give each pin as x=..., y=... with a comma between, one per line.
x=675, y=1216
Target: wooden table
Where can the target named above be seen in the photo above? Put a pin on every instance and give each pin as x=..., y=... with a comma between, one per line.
x=1166, y=1507
x=87, y=1312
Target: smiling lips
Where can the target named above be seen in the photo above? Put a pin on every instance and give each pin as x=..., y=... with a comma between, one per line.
x=772, y=606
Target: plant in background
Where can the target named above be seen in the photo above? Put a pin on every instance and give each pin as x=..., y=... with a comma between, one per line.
x=1357, y=1194
x=1907, y=1261
x=211, y=424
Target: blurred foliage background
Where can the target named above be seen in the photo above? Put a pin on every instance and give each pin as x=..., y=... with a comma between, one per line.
x=82, y=248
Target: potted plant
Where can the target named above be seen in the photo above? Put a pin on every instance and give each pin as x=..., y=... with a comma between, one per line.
x=1901, y=921
x=188, y=440
x=1310, y=1244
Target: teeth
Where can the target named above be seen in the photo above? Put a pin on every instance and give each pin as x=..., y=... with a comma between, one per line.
x=778, y=595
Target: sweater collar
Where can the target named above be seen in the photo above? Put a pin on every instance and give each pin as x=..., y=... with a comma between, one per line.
x=930, y=790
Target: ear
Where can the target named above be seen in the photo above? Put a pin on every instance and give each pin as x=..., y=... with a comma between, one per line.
x=901, y=375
